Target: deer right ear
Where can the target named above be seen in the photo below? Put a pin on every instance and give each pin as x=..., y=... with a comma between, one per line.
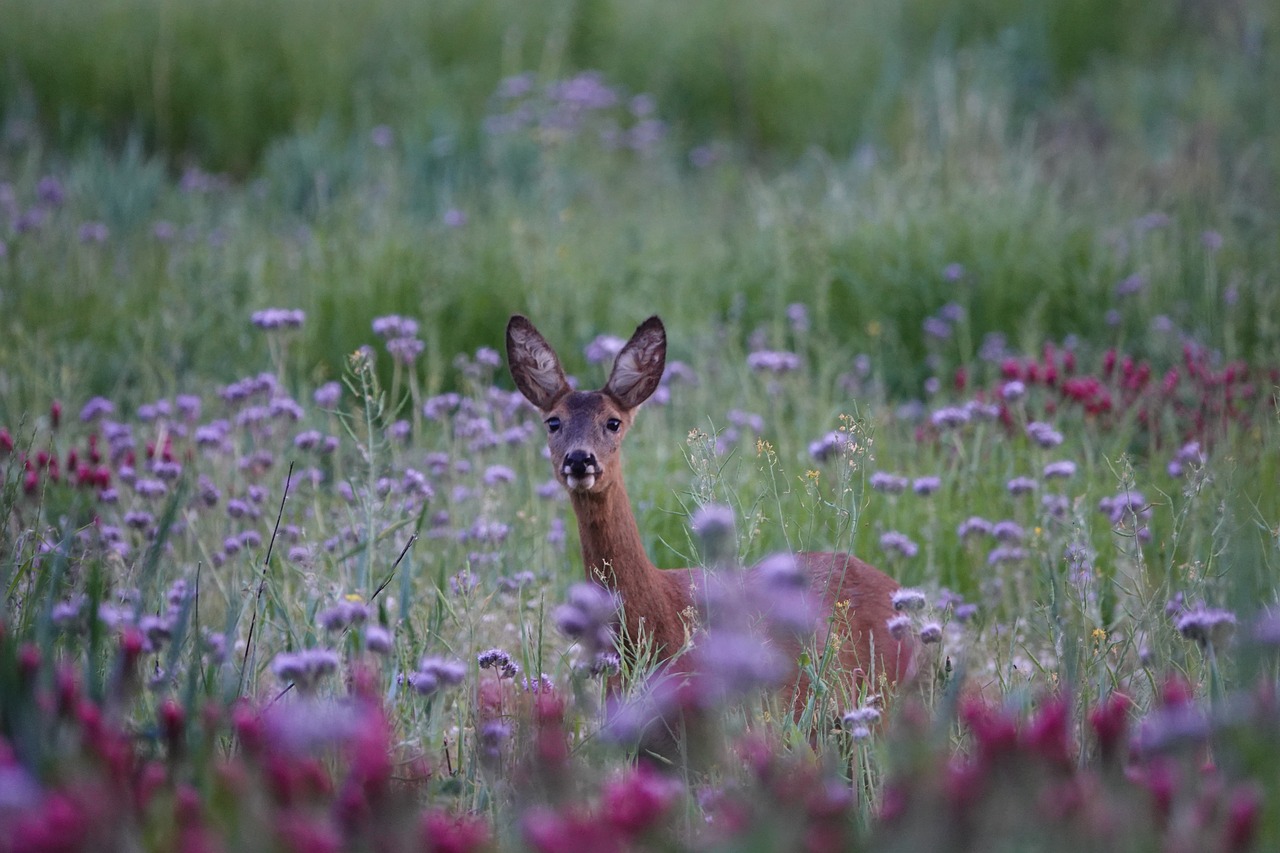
x=534, y=365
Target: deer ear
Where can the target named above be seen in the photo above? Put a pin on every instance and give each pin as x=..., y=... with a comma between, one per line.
x=638, y=368
x=534, y=365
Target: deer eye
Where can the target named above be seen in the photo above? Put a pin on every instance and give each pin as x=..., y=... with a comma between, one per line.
x=613, y=424
x=553, y=424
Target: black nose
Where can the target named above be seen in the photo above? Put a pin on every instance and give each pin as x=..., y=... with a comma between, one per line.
x=579, y=463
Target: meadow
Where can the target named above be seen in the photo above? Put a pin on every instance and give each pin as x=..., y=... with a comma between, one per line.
x=982, y=293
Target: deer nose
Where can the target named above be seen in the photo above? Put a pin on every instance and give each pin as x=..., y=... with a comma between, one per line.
x=579, y=463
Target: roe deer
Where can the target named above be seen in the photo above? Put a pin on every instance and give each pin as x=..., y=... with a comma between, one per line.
x=585, y=430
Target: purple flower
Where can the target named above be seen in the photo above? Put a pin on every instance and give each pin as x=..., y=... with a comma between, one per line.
x=1013, y=390
x=588, y=616
x=892, y=542
x=889, y=484
x=278, y=318
x=953, y=272
x=1131, y=285
x=1008, y=531
x=305, y=668
x=1006, y=554
x=1044, y=434
x=1208, y=626
x=405, y=350
x=949, y=417
x=603, y=349
x=798, y=317
x=455, y=218
x=342, y=615
x=829, y=446
x=899, y=626
x=1063, y=468
x=1021, y=486
x=96, y=408
x=394, y=326
x=908, y=599
x=972, y=526
x=930, y=632
x=381, y=136
x=378, y=640
x=498, y=474
x=773, y=361
x=328, y=395
x=925, y=486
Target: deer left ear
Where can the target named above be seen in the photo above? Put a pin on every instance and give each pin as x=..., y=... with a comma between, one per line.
x=638, y=368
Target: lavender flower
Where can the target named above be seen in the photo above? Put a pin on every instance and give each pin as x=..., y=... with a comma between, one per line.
x=892, y=542
x=889, y=484
x=1021, y=486
x=713, y=524
x=278, y=318
x=405, y=350
x=96, y=408
x=305, y=668
x=829, y=446
x=588, y=617
x=1044, y=434
x=949, y=417
x=930, y=632
x=327, y=395
x=773, y=361
x=899, y=626
x=1006, y=554
x=435, y=674
x=1013, y=390
x=342, y=615
x=972, y=526
x=1063, y=468
x=603, y=349
x=925, y=486
x=497, y=659
x=908, y=599
x=1210, y=627
x=1008, y=531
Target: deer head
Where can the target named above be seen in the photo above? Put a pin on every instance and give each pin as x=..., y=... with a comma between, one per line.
x=585, y=428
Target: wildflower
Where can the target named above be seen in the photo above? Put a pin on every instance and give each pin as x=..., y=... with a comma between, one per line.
x=899, y=626
x=965, y=612
x=828, y=446
x=1021, y=485
x=1063, y=468
x=327, y=395
x=378, y=640
x=889, y=484
x=1055, y=506
x=405, y=350
x=498, y=474
x=973, y=525
x=436, y=673
x=949, y=417
x=96, y=408
x=926, y=485
x=381, y=136
x=908, y=599
x=865, y=715
x=773, y=361
x=343, y=614
x=1006, y=554
x=588, y=617
x=1126, y=505
x=713, y=524
x=892, y=541
x=305, y=668
x=1009, y=530
x=1130, y=285
x=798, y=317
x=497, y=659
x=1208, y=626
x=930, y=632
x=1043, y=434
x=278, y=318
x=603, y=349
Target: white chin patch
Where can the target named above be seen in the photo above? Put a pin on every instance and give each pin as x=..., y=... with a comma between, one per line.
x=579, y=484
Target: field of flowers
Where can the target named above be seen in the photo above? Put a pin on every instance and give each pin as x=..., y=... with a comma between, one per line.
x=284, y=561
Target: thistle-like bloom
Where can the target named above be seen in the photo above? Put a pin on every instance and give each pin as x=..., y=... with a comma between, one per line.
x=949, y=417
x=1063, y=468
x=1044, y=434
x=889, y=484
x=931, y=632
x=588, y=617
x=279, y=318
x=1208, y=626
x=773, y=361
x=436, y=673
x=499, y=660
x=603, y=349
x=899, y=626
x=828, y=446
x=1006, y=554
x=342, y=615
x=394, y=326
x=908, y=599
x=713, y=524
x=1021, y=486
x=972, y=526
x=925, y=486
x=305, y=668
x=96, y=408
x=894, y=542
x=1008, y=531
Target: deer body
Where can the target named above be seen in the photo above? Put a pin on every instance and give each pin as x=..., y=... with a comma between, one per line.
x=584, y=435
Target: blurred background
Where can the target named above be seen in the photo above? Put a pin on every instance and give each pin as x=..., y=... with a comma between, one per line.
x=594, y=161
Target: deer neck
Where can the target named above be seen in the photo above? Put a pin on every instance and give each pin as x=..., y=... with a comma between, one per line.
x=612, y=551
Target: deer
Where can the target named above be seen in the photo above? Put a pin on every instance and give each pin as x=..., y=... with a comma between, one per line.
x=585, y=431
